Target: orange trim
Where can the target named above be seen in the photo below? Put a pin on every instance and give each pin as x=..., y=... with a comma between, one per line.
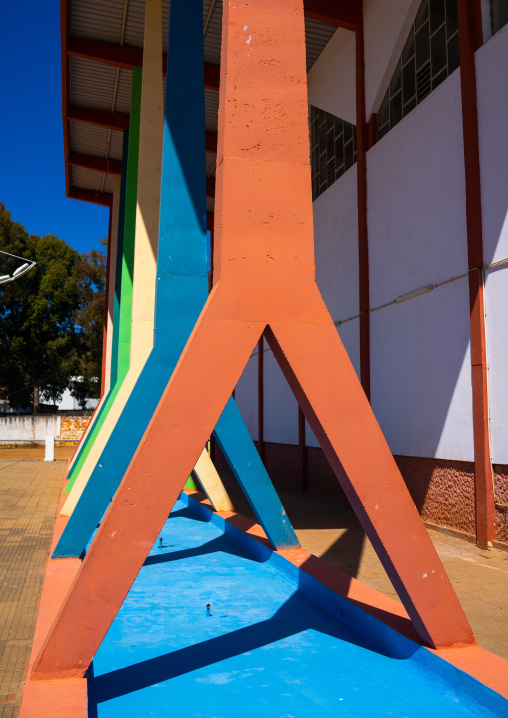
x=469, y=40
x=65, y=24
x=363, y=243
x=100, y=118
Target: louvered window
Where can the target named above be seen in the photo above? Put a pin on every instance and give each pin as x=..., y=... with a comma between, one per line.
x=333, y=148
x=430, y=54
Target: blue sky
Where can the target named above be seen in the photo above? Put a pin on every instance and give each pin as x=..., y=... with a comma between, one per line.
x=32, y=180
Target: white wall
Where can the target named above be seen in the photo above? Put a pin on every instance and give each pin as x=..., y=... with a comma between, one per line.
x=420, y=365
x=29, y=428
x=281, y=407
x=421, y=374
x=492, y=74
x=386, y=27
x=332, y=79
x=246, y=395
x=496, y=302
x=416, y=198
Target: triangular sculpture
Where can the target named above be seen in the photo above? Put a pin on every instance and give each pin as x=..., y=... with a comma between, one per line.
x=266, y=282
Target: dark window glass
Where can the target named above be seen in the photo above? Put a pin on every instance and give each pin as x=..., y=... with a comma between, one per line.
x=339, y=151
x=438, y=79
x=438, y=51
x=330, y=143
x=452, y=20
x=348, y=155
x=330, y=171
x=437, y=14
x=383, y=115
x=453, y=53
x=328, y=163
x=430, y=54
x=422, y=14
x=499, y=9
x=314, y=158
x=315, y=187
x=395, y=109
x=322, y=135
x=408, y=81
x=396, y=80
x=410, y=106
x=422, y=42
x=409, y=48
x=313, y=134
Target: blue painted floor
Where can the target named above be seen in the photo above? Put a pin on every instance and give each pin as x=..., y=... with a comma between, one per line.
x=266, y=650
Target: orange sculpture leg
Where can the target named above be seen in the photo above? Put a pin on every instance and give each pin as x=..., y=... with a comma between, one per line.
x=265, y=265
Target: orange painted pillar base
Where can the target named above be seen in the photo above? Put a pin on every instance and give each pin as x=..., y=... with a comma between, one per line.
x=265, y=278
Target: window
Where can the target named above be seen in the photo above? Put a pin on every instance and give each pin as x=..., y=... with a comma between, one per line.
x=430, y=54
x=499, y=9
x=332, y=149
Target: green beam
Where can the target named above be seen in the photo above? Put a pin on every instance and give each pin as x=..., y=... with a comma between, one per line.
x=125, y=269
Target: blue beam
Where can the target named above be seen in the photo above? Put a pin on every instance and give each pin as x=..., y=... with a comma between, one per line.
x=182, y=290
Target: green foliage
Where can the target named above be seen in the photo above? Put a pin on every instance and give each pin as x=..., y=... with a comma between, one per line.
x=47, y=315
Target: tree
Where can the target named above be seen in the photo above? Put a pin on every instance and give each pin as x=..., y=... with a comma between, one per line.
x=41, y=340
x=89, y=277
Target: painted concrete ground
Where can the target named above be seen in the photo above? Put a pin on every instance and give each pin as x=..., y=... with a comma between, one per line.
x=263, y=649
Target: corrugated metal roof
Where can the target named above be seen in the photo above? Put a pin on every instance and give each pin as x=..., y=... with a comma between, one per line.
x=211, y=110
x=108, y=183
x=211, y=161
x=86, y=179
x=317, y=35
x=88, y=139
x=92, y=84
x=97, y=19
x=212, y=40
x=103, y=87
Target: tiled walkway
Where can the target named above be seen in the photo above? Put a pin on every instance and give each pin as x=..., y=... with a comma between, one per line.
x=29, y=493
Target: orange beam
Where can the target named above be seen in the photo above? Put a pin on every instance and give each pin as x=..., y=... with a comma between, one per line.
x=88, y=195
x=127, y=57
x=341, y=13
x=99, y=164
x=100, y=118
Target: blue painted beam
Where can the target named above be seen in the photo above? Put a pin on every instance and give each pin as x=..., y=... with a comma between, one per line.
x=182, y=290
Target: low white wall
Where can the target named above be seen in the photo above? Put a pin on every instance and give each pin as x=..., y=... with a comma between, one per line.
x=29, y=428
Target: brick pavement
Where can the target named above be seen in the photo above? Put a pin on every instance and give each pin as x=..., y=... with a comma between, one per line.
x=29, y=493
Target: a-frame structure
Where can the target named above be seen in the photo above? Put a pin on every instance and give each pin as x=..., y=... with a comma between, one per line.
x=264, y=264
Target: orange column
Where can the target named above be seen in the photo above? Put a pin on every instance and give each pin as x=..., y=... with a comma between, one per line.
x=470, y=39
x=264, y=281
